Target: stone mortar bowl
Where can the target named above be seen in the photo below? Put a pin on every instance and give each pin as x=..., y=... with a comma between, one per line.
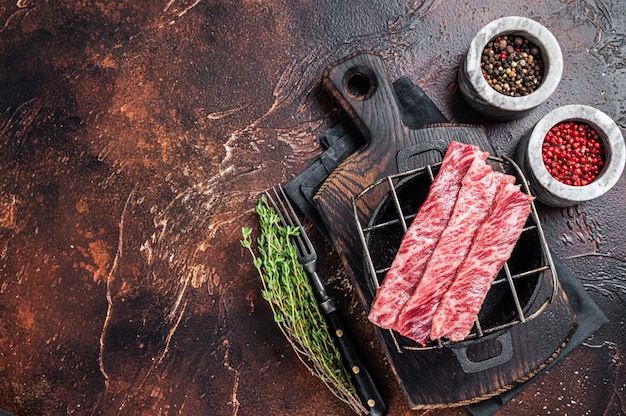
x=485, y=100
x=544, y=186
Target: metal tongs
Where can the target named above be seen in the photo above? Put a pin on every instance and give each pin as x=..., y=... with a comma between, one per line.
x=368, y=392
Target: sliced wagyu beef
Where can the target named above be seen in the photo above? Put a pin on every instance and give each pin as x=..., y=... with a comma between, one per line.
x=460, y=238
x=422, y=235
x=479, y=188
x=492, y=246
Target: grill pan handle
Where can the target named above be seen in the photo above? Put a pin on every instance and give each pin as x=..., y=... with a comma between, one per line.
x=406, y=157
x=470, y=366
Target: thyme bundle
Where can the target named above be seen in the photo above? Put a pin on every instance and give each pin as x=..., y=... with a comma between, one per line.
x=287, y=290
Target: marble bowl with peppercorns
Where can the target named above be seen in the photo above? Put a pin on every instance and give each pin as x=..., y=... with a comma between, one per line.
x=512, y=65
x=575, y=153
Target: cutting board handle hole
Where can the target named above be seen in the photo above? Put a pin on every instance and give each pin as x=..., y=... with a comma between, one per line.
x=359, y=83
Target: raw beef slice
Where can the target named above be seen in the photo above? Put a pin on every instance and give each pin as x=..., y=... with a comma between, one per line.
x=478, y=190
x=492, y=247
x=422, y=235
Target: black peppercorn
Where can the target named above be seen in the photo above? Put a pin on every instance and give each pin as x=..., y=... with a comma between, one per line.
x=512, y=65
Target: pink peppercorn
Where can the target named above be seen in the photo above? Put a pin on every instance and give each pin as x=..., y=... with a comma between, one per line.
x=573, y=153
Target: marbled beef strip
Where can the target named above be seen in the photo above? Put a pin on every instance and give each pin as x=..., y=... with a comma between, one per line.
x=492, y=247
x=422, y=235
x=479, y=188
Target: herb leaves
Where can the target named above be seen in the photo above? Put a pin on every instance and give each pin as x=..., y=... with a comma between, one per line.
x=287, y=290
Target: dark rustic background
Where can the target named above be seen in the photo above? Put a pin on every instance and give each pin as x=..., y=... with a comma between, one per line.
x=135, y=138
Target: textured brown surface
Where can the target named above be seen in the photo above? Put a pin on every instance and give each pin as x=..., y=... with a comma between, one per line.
x=134, y=140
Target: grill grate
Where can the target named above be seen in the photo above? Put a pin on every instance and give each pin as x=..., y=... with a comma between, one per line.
x=516, y=289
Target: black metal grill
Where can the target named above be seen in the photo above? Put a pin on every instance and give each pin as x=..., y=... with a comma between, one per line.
x=523, y=288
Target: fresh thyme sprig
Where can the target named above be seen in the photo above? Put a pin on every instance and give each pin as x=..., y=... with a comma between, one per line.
x=287, y=290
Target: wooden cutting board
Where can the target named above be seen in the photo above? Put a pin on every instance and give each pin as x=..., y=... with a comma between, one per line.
x=432, y=378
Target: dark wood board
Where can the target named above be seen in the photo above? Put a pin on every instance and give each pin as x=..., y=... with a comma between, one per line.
x=428, y=378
